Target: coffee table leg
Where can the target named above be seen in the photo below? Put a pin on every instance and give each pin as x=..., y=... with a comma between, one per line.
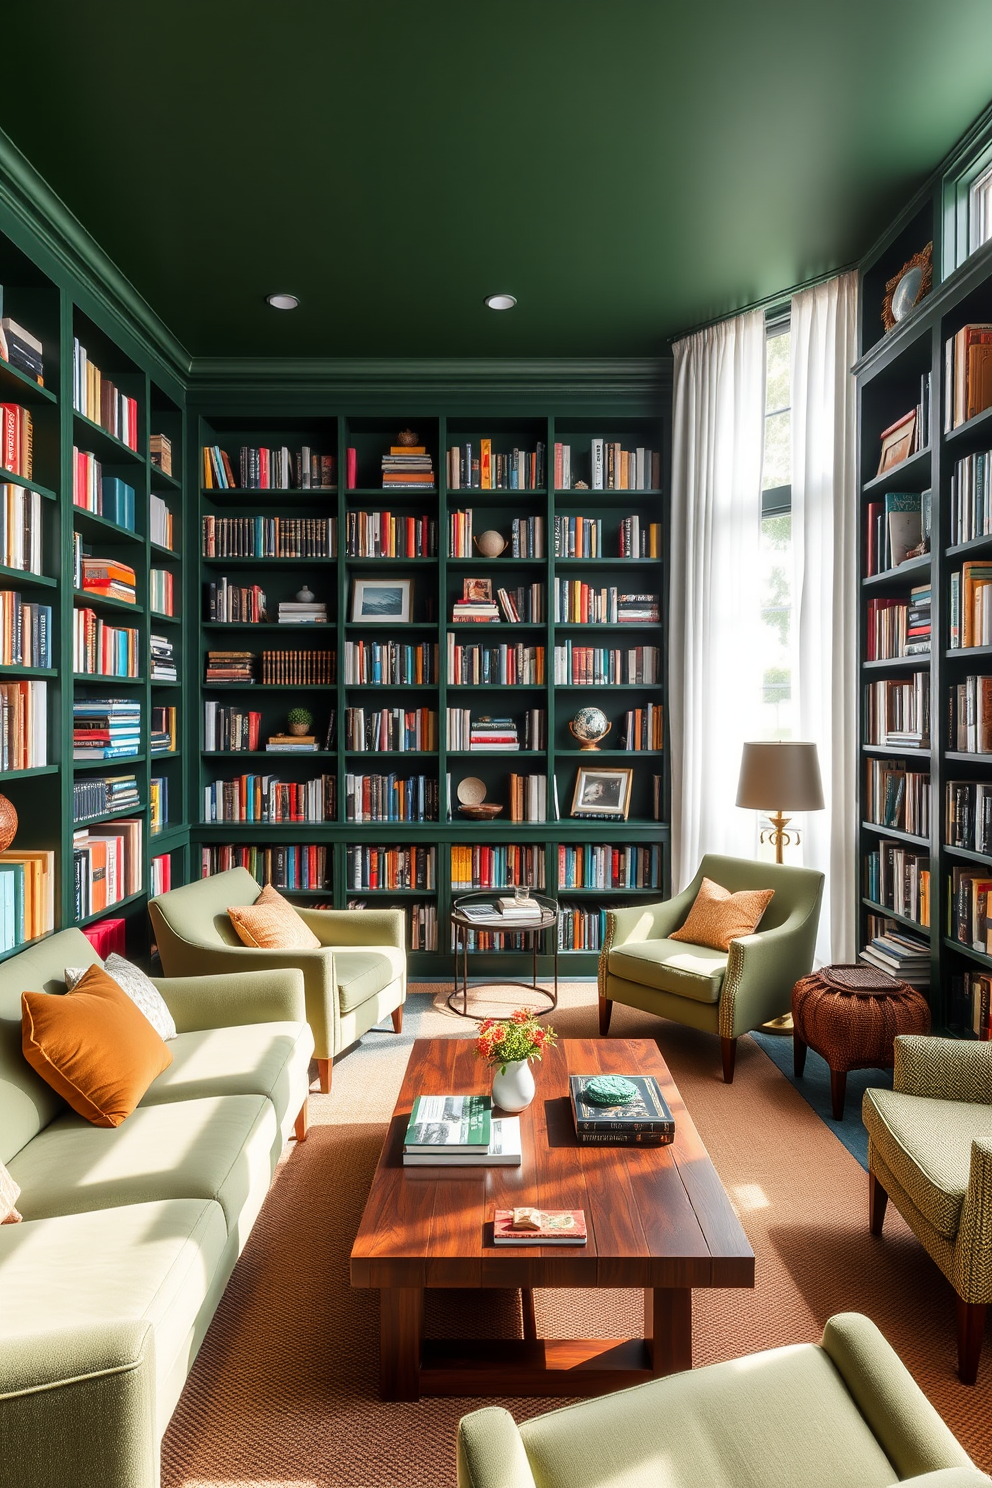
x=668, y=1328
x=401, y=1326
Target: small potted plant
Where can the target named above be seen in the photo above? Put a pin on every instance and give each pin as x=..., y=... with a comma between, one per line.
x=511, y=1043
x=299, y=721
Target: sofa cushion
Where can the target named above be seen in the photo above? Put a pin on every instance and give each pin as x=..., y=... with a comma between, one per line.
x=272, y=924
x=362, y=971
x=270, y=1059
x=93, y=1046
x=926, y=1144
x=9, y=1194
x=717, y=916
x=221, y=1147
x=142, y=1262
x=140, y=988
x=671, y=966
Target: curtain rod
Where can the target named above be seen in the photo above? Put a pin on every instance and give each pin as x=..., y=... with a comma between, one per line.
x=779, y=300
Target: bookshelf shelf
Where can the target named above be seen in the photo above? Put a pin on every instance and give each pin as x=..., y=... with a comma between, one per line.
x=17, y=387
x=27, y=580
x=105, y=816
x=977, y=429
x=584, y=563
x=966, y=855
x=894, y=577
x=913, y=662
x=102, y=677
x=163, y=481
x=10, y=476
x=85, y=598
x=876, y=827
x=160, y=619
x=114, y=908
x=30, y=773
x=102, y=529
x=973, y=545
x=123, y=760
x=900, y=919
x=966, y=758
x=268, y=625
x=914, y=472
x=25, y=671
x=969, y=951
x=168, y=553
x=107, y=447
x=967, y=653
x=888, y=751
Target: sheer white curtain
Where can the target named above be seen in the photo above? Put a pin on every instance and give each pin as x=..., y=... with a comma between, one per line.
x=714, y=676
x=825, y=606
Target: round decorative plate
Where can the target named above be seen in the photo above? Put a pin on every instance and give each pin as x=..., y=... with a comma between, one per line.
x=471, y=791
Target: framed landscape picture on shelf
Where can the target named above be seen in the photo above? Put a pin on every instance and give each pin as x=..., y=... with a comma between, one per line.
x=604, y=793
x=382, y=602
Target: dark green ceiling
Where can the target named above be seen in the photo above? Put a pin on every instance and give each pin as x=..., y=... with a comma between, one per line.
x=626, y=168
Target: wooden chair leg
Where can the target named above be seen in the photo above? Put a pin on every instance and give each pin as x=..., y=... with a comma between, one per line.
x=971, y=1332
x=799, y=1049
x=729, y=1047
x=838, y=1093
x=398, y=1019
x=302, y=1123
x=605, y=1014
x=530, y=1316
x=324, y=1072
x=877, y=1200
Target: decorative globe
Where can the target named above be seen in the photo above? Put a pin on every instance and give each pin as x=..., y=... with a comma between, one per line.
x=491, y=544
x=589, y=726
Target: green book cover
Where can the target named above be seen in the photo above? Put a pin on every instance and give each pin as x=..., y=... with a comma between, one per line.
x=458, y=1123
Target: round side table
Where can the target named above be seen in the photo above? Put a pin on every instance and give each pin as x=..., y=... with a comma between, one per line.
x=501, y=924
x=851, y=1015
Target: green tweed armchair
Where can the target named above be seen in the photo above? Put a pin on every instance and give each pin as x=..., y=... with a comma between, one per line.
x=724, y=992
x=844, y=1413
x=930, y=1152
x=356, y=977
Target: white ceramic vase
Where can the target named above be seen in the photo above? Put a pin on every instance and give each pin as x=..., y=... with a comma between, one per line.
x=515, y=1090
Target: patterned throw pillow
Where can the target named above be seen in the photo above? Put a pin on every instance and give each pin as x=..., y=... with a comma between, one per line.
x=717, y=917
x=9, y=1194
x=271, y=923
x=141, y=990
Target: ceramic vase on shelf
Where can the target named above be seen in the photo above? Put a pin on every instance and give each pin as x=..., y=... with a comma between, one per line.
x=515, y=1090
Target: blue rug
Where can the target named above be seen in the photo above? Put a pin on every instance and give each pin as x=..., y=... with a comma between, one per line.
x=814, y=1087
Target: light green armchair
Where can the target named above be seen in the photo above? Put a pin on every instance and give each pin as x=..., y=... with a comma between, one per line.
x=722, y=992
x=356, y=977
x=844, y=1413
x=930, y=1152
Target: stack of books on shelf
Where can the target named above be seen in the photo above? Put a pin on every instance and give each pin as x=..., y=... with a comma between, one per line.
x=390, y=730
x=23, y=725
x=475, y=608
x=595, y=865
x=105, y=728
x=270, y=537
x=491, y=735
x=968, y=815
x=163, y=661
x=160, y=453
x=898, y=529
x=971, y=605
x=299, y=667
x=300, y=743
x=297, y=612
x=967, y=374
x=597, y=666
x=389, y=663
x=499, y=867
x=266, y=798
x=512, y=908
x=897, y=628
x=160, y=528
x=407, y=467
x=160, y=875
x=528, y=798
x=16, y=439
x=22, y=350
x=107, y=578
x=644, y=1121
x=902, y=955
x=898, y=878
x=158, y=803
x=642, y=728
x=160, y=591
x=370, y=798
x=97, y=795
x=477, y=467
x=236, y=604
x=971, y=498
x=228, y=729
x=302, y=869
x=457, y=1131
x=97, y=399
x=970, y=718
x=25, y=631
x=897, y=712
x=231, y=666
x=577, y=603
x=897, y=797
x=970, y=1004
x=102, y=649
x=106, y=863
x=383, y=534
x=971, y=923
x=371, y=867
x=164, y=727
x=611, y=467
x=27, y=896
x=20, y=528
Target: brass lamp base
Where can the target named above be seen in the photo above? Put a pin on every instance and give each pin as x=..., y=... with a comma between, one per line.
x=783, y=1025
x=780, y=839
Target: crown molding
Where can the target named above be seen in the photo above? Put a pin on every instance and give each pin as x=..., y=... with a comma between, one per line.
x=30, y=201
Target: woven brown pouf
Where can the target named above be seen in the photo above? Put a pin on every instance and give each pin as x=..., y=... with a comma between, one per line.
x=851, y=1015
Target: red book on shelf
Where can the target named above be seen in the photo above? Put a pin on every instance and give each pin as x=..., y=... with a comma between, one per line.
x=351, y=477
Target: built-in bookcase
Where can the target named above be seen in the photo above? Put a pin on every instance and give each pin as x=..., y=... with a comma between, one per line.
x=549, y=854
x=44, y=297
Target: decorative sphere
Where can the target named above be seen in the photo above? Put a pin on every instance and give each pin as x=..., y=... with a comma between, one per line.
x=8, y=823
x=589, y=726
x=304, y=595
x=490, y=544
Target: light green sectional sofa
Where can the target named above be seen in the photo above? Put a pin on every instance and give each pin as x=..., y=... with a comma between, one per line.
x=130, y=1234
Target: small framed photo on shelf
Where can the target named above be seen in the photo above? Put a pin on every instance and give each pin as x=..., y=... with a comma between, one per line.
x=382, y=601
x=479, y=590
x=604, y=793
x=898, y=442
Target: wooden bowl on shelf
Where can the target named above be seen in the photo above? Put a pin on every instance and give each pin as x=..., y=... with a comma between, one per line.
x=484, y=811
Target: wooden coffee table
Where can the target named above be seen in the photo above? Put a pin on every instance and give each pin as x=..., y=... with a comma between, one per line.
x=658, y=1219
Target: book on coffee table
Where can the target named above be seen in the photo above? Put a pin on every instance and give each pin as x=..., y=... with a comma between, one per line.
x=644, y=1121
x=555, y=1227
x=504, y=1150
x=456, y=1123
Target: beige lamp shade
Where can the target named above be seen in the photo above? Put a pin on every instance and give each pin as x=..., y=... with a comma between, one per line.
x=780, y=777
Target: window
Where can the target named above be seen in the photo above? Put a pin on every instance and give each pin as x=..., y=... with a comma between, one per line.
x=776, y=539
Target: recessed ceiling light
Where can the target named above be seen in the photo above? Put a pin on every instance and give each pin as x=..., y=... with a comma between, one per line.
x=501, y=301
x=282, y=301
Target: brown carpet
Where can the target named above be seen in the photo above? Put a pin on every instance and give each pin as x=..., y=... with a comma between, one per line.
x=283, y=1394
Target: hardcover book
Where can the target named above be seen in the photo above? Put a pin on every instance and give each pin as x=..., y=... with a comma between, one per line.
x=458, y=1123
x=542, y=1227
x=644, y=1121
x=504, y=1149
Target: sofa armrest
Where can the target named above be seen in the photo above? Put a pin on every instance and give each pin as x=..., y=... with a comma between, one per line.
x=762, y=970
x=357, y=927
x=972, y=1277
x=905, y=1424
x=78, y=1406
x=949, y=1477
x=944, y=1069
x=235, y=998
x=491, y=1452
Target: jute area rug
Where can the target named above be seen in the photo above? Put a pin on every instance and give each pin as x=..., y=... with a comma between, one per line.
x=284, y=1391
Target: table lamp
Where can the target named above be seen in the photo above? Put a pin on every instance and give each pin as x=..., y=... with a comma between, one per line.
x=780, y=778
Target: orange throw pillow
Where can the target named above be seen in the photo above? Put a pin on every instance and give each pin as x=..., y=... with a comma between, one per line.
x=272, y=923
x=93, y=1047
x=717, y=917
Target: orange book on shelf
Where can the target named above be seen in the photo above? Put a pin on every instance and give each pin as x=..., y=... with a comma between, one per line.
x=486, y=464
